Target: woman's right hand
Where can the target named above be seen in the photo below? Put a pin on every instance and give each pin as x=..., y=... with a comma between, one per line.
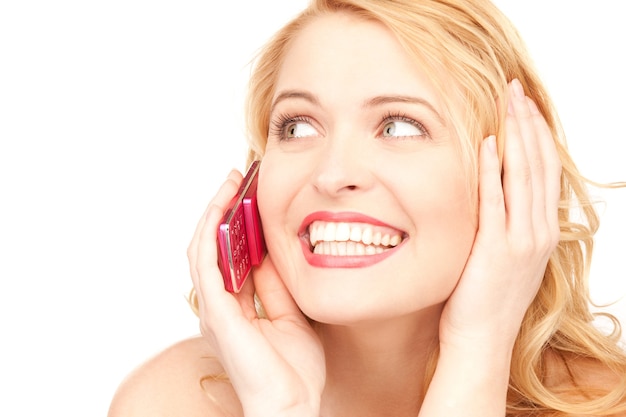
x=275, y=364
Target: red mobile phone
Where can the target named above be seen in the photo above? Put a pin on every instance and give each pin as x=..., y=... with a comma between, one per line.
x=240, y=240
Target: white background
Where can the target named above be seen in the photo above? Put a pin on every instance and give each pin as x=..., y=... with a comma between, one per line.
x=118, y=121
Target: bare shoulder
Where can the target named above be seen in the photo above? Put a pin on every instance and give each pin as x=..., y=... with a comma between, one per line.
x=185, y=379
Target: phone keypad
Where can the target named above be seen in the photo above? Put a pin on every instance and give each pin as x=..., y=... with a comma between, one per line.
x=239, y=249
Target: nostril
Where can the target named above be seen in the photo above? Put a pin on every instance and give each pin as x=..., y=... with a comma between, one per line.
x=351, y=187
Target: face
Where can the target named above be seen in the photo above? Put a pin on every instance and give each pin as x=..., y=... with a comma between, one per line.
x=362, y=192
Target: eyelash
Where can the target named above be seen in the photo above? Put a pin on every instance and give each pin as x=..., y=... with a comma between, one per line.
x=278, y=126
x=402, y=117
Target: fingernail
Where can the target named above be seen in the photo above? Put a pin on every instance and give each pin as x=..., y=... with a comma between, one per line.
x=490, y=142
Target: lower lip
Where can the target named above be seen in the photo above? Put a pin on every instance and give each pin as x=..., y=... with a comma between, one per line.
x=328, y=261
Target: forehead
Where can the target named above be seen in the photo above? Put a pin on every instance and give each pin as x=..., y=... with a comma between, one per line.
x=342, y=54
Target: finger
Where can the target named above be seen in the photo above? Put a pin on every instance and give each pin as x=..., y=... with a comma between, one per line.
x=204, y=257
x=552, y=174
x=234, y=177
x=222, y=198
x=245, y=298
x=517, y=176
x=492, y=214
x=274, y=295
x=530, y=139
x=203, y=262
x=202, y=252
x=214, y=302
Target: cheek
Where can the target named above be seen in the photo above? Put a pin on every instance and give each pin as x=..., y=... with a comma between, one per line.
x=273, y=188
x=270, y=194
x=455, y=211
x=437, y=190
x=451, y=232
x=270, y=197
x=279, y=183
x=445, y=218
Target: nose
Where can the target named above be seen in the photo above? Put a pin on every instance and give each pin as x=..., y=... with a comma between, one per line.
x=343, y=166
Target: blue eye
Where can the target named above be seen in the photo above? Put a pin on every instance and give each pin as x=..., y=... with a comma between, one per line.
x=400, y=128
x=298, y=129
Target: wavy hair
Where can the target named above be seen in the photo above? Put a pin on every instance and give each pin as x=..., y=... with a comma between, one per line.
x=475, y=45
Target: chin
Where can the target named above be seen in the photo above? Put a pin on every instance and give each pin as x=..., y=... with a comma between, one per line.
x=358, y=305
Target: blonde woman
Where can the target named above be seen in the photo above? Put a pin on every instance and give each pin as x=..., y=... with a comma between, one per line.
x=416, y=198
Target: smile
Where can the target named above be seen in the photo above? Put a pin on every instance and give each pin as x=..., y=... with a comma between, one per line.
x=351, y=239
x=347, y=240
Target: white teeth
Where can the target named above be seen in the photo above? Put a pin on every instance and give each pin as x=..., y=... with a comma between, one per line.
x=366, y=237
x=343, y=232
x=360, y=249
x=333, y=248
x=377, y=237
x=313, y=233
x=355, y=234
x=350, y=247
x=329, y=231
x=345, y=239
x=342, y=248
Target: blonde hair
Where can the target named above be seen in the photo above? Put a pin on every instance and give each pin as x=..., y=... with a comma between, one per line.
x=472, y=42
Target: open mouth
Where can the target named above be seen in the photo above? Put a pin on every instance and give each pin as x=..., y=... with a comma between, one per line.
x=351, y=239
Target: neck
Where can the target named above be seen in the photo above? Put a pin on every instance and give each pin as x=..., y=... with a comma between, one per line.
x=378, y=368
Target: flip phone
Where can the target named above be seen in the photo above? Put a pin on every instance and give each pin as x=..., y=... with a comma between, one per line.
x=240, y=240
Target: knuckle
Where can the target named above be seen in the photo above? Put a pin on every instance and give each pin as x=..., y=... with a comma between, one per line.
x=555, y=238
x=547, y=240
x=539, y=165
x=524, y=245
x=525, y=174
x=493, y=199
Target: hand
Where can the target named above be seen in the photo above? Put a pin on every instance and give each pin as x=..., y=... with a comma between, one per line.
x=517, y=232
x=276, y=364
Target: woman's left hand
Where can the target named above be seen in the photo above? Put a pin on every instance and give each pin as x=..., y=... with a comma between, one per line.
x=518, y=230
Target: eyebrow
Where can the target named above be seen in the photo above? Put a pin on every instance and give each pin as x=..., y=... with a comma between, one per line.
x=373, y=102
x=380, y=100
x=295, y=94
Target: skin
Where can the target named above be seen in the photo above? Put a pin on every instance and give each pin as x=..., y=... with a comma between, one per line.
x=344, y=163
x=456, y=281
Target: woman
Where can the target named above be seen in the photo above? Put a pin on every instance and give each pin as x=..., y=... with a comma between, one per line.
x=416, y=196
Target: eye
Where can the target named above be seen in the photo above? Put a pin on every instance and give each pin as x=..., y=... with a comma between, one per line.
x=298, y=129
x=285, y=127
x=403, y=128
